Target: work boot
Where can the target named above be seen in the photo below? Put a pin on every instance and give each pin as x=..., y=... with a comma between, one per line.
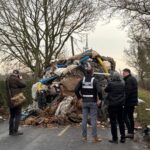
x=113, y=141
x=122, y=140
x=17, y=133
x=84, y=139
x=11, y=132
x=130, y=136
x=96, y=139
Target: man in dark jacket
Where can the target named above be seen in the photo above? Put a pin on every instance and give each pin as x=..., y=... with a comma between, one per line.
x=14, y=86
x=88, y=89
x=115, y=99
x=131, y=91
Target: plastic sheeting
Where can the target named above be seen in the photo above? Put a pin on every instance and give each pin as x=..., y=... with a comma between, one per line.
x=64, y=106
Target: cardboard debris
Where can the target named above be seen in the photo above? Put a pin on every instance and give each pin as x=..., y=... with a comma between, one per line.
x=140, y=101
x=66, y=112
x=30, y=121
x=70, y=83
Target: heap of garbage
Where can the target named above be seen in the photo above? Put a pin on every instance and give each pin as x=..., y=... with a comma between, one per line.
x=54, y=100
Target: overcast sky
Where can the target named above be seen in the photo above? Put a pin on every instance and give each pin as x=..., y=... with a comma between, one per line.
x=110, y=40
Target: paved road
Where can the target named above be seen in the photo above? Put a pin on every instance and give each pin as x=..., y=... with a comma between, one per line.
x=64, y=138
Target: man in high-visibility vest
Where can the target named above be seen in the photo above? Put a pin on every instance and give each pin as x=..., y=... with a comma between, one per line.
x=89, y=91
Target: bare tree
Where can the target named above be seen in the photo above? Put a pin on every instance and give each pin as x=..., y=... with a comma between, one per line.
x=32, y=31
x=138, y=56
x=131, y=7
x=136, y=15
x=133, y=12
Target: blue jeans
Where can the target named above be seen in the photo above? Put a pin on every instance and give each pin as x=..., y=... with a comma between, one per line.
x=89, y=108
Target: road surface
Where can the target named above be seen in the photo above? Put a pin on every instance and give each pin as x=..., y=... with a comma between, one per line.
x=63, y=138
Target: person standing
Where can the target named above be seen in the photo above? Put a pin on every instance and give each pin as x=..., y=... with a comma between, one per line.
x=88, y=89
x=14, y=86
x=115, y=99
x=131, y=91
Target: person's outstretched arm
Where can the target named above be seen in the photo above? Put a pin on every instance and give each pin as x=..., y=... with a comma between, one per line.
x=78, y=90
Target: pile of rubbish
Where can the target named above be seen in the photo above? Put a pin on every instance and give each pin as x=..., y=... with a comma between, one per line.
x=54, y=100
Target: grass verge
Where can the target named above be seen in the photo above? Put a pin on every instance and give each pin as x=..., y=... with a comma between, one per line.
x=143, y=115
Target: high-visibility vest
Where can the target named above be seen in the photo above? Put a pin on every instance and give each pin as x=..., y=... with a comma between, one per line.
x=88, y=88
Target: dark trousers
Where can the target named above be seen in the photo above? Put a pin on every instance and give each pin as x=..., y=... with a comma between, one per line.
x=116, y=116
x=15, y=115
x=129, y=118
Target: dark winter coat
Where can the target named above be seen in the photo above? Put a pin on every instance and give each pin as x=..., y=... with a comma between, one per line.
x=131, y=90
x=14, y=86
x=116, y=93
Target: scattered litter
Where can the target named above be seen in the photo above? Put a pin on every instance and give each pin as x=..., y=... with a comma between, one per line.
x=135, y=115
x=140, y=101
x=147, y=134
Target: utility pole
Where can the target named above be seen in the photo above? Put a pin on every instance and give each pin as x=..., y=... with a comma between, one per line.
x=87, y=44
x=72, y=46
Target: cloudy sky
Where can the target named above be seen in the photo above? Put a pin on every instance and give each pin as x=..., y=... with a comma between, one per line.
x=110, y=40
